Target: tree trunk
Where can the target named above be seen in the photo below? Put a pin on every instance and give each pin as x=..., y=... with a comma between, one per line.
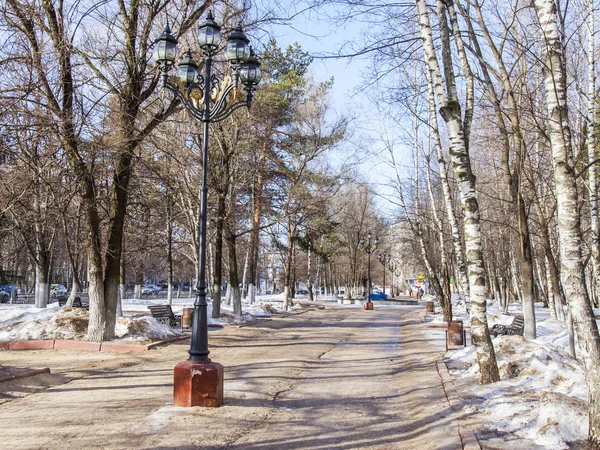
x=450, y=112
x=233, y=272
x=42, y=281
x=245, y=273
x=122, y=288
x=309, y=285
x=512, y=176
x=591, y=147
x=287, y=292
x=139, y=282
x=218, y=259
x=169, y=253
x=569, y=226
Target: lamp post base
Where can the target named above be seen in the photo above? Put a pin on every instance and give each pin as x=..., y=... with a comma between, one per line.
x=198, y=384
x=369, y=305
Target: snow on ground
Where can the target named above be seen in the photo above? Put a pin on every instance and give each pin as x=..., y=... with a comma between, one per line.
x=542, y=395
x=20, y=323
x=24, y=322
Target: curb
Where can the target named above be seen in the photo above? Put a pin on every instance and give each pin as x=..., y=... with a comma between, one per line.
x=62, y=344
x=444, y=326
x=467, y=436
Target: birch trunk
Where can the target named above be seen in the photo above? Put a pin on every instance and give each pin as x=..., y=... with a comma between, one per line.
x=42, y=285
x=256, y=219
x=451, y=113
x=245, y=273
x=169, y=253
x=441, y=284
x=461, y=268
x=309, y=285
x=218, y=259
x=569, y=226
x=591, y=145
x=512, y=175
x=122, y=288
x=234, y=282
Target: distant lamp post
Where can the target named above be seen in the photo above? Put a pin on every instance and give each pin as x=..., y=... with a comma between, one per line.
x=198, y=381
x=369, y=247
x=391, y=268
x=384, y=259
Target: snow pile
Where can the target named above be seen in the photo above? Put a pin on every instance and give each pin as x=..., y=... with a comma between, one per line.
x=72, y=323
x=143, y=330
x=542, y=396
x=24, y=322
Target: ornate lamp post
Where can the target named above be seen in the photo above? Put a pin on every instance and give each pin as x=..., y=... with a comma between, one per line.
x=384, y=259
x=198, y=380
x=369, y=248
x=391, y=267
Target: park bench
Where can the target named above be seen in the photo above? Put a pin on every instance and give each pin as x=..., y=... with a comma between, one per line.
x=515, y=328
x=77, y=303
x=164, y=314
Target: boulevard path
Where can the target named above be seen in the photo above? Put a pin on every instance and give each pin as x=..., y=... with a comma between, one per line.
x=337, y=378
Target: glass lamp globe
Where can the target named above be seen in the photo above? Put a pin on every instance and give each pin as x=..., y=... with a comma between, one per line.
x=250, y=73
x=165, y=50
x=237, y=50
x=188, y=69
x=209, y=34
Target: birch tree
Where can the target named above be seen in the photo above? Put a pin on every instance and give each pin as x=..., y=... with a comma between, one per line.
x=450, y=110
x=569, y=221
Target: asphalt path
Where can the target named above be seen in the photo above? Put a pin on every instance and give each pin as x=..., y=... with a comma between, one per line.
x=336, y=378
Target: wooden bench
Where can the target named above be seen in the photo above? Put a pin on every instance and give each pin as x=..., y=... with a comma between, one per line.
x=164, y=314
x=516, y=328
x=77, y=303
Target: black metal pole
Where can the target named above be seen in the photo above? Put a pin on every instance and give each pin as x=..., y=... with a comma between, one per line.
x=199, y=346
x=369, y=271
x=384, y=274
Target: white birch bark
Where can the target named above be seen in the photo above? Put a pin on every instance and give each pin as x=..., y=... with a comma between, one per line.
x=591, y=144
x=228, y=294
x=252, y=293
x=450, y=112
x=550, y=290
x=245, y=273
x=569, y=226
x=463, y=278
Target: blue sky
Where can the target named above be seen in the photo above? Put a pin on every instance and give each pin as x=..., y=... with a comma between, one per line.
x=320, y=37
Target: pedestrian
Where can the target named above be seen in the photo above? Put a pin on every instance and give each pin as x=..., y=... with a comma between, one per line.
x=421, y=292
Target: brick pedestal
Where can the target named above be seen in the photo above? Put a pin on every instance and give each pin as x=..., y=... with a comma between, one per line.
x=198, y=384
x=369, y=305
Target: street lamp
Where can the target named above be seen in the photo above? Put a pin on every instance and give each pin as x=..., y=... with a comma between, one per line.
x=392, y=268
x=198, y=380
x=369, y=248
x=384, y=259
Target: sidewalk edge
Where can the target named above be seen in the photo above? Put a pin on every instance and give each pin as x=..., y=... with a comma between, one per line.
x=467, y=435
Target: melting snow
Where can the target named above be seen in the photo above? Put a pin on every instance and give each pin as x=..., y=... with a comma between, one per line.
x=542, y=395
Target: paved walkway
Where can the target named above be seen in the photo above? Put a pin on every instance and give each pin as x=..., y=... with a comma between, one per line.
x=339, y=378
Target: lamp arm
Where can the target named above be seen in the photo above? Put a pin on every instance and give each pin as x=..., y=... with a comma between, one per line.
x=226, y=113
x=221, y=104
x=195, y=112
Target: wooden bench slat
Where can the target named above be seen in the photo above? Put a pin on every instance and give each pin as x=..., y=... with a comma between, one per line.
x=164, y=314
x=515, y=328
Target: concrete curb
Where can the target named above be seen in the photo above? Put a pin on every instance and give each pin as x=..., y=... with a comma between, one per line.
x=443, y=325
x=113, y=347
x=63, y=344
x=467, y=436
